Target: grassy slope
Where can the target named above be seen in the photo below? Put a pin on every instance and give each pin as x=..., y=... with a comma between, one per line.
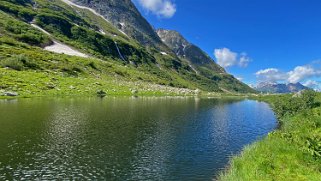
x=20, y=50
x=293, y=152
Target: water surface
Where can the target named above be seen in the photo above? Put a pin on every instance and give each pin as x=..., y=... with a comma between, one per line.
x=126, y=138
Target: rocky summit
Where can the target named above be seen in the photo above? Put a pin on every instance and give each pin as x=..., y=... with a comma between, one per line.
x=125, y=17
x=185, y=50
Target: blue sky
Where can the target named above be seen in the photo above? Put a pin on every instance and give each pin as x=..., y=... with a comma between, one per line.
x=280, y=40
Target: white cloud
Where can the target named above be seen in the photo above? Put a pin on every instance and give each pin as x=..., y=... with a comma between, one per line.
x=301, y=73
x=225, y=57
x=271, y=75
x=244, y=60
x=161, y=8
x=311, y=83
x=298, y=74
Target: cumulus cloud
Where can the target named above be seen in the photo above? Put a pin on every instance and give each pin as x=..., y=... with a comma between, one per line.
x=161, y=8
x=271, y=75
x=244, y=60
x=296, y=75
x=313, y=85
x=302, y=72
x=227, y=58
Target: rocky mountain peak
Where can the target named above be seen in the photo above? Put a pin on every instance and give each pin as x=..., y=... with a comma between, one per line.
x=174, y=40
x=124, y=15
x=188, y=51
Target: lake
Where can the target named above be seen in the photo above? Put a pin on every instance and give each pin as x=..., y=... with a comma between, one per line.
x=126, y=138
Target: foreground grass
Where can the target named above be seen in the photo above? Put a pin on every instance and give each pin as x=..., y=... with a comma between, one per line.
x=293, y=152
x=34, y=84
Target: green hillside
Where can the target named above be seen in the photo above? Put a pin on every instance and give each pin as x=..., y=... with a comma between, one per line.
x=115, y=62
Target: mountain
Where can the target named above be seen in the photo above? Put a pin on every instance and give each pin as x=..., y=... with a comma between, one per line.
x=197, y=58
x=125, y=17
x=200, y=62
x=268, y=87
x=107, y=44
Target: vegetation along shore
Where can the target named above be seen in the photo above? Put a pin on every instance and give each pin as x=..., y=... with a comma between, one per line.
x=293, y=151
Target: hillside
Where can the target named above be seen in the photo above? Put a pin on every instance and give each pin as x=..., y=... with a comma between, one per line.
x=56, y=47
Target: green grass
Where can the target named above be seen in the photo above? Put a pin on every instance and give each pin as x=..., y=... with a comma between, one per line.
x=293, y=152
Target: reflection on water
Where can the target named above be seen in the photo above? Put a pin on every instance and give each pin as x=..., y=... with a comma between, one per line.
x=126, y=138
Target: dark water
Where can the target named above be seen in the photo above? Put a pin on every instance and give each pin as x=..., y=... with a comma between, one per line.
x=126, y=138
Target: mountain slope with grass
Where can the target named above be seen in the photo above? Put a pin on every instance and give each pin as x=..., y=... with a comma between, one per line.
x=54, y=47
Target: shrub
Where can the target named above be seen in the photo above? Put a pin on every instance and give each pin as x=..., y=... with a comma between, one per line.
x=313, y=145
x=19, y=62
x=72, y=70
x=24, y=33
x=12, y=63
x=93, y=65
x=292, y=105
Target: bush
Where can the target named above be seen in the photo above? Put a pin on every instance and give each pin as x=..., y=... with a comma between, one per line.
x=72, y=70
x=17, y=10
x=292, y=105
x=93, y=65
x=12, y=63
x=25, y=33
x=19, y=62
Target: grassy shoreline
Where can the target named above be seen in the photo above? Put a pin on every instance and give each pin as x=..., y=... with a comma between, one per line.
x=292, y=152
x=31, y=83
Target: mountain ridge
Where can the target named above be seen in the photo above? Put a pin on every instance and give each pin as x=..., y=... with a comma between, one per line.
x=186, y=50
x=271, y=87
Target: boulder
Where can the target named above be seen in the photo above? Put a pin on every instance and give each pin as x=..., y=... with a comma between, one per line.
x=101, y=93
x=134, y=91
x=12, y=94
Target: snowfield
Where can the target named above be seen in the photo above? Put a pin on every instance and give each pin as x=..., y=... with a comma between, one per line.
x=64, y=49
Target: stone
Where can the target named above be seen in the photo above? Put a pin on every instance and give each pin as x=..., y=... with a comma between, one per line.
x=12, y=94
x=134, y=91
x=101, y=93
x=197, y=91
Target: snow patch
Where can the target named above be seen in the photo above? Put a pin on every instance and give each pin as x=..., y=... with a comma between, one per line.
x=64, y=49
x=102, y=32
x=184, y=47
x=163, y=53
x=59, y=47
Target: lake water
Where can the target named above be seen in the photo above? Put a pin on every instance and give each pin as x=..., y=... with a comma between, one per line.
x=126, y=138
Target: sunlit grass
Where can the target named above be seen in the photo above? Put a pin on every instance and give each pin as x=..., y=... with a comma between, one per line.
x=290, y=153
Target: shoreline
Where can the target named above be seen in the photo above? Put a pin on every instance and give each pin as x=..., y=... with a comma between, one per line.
x=126, y=95
x=276, y=156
